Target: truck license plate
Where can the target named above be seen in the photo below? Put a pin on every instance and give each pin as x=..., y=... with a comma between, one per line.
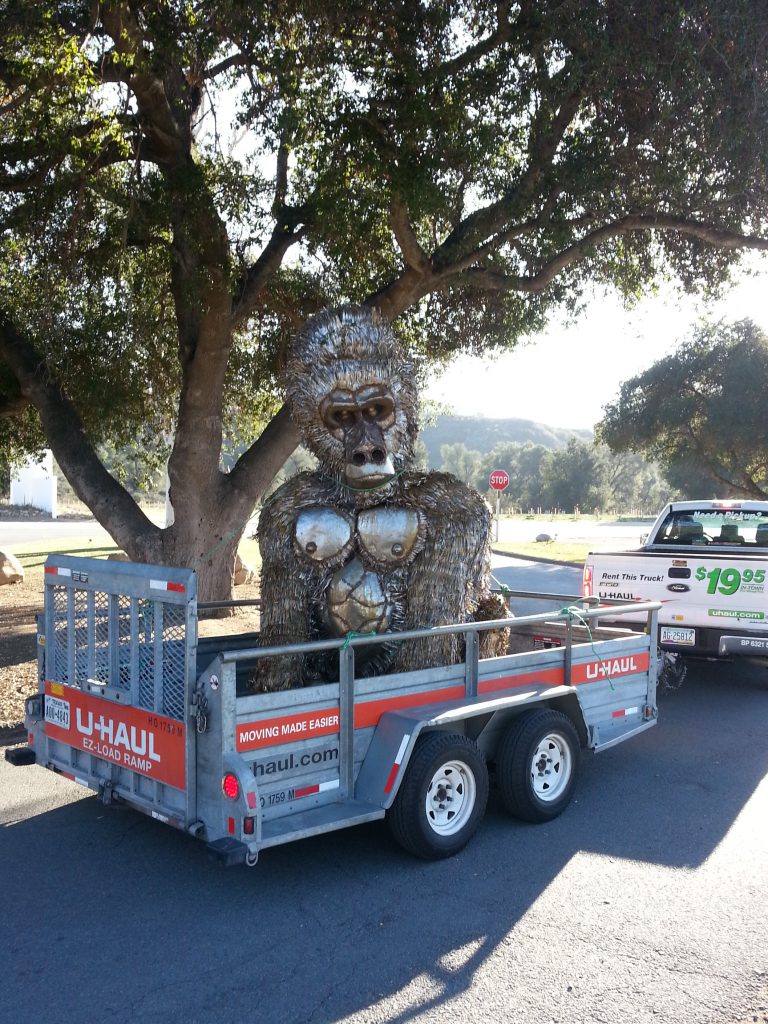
x=57, y=711
x=678, y=635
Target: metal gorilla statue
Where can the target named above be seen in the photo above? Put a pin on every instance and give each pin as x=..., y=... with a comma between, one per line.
x=365, y=543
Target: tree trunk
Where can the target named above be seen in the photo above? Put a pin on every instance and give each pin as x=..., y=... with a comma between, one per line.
x=208, y=549
x=209, y=521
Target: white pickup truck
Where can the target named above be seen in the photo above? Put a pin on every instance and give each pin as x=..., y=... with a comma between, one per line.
x=706, y=561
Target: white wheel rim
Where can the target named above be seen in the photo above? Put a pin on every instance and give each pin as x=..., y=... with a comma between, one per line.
x=551, y=767
x=451, y=797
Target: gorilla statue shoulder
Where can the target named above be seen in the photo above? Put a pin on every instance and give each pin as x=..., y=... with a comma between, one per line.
x=365, y=543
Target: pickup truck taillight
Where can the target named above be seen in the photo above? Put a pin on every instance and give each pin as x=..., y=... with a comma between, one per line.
x=586, y=582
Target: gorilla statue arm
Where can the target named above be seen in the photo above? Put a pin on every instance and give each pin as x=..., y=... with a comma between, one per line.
x=450, y=579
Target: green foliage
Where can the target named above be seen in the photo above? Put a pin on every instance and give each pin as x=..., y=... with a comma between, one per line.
x=490, y=433
x=581, y=475
x=699, y=412
x=571, y=478
x=462, y=463
x=182, y=184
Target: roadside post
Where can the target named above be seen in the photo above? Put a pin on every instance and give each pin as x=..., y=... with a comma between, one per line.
x=499, y=481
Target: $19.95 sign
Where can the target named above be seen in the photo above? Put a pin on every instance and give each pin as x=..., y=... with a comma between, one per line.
x=499, y=479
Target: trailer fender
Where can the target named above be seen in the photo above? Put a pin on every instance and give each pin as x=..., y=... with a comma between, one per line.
x=392, y=744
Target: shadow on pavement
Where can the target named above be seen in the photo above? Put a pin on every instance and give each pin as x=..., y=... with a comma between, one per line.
x=127, y=914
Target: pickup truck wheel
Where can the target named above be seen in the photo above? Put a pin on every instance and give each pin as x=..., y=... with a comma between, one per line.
x=442, y=798
x=536, y=765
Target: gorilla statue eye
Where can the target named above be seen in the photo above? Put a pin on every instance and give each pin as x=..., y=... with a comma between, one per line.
x=373, y=411
x=341, y=417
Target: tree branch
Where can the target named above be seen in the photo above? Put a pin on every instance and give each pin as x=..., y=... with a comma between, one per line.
x=237, y=60
x=257, y=466
x=501, y=34
x=261, y=271
x=10, y=407
x=718, y=237
x=495, y=217
x=405, y=236
x=160, y=125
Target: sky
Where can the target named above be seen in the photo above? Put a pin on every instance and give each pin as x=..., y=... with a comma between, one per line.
x=564, y=376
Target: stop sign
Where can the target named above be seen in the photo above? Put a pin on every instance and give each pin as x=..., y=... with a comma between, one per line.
x=499, y=479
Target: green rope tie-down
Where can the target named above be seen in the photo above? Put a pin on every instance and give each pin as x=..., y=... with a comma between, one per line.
x=575, y=613
x=351, y=636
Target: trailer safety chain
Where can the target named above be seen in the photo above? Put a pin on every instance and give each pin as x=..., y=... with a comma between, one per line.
x=199, y=710
x=575, y=613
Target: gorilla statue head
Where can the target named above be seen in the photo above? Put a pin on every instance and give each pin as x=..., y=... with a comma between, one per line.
x=352, y=394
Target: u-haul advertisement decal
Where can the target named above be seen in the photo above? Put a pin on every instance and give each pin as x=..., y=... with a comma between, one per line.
x=269, y=732
x=133, y=738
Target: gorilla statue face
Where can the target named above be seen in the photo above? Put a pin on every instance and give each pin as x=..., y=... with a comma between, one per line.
x=352, y=395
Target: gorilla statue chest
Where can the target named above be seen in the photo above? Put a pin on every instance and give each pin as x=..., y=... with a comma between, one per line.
x=361, y=559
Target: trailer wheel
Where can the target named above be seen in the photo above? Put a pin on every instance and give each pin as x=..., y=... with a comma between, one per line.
x=442, y=798
x=536, y=765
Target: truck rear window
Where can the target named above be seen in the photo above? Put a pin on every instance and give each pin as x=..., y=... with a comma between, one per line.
x=731, y=528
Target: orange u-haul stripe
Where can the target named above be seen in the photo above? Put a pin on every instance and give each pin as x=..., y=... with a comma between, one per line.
x=368, y=713
x=549, y=677
x=134, y=738
x=268, y=732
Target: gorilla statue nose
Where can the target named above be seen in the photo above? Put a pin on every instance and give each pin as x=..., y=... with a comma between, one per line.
x=367, y=453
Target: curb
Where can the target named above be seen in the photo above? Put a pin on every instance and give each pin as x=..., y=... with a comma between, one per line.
x=11, y=735
x=536, y=558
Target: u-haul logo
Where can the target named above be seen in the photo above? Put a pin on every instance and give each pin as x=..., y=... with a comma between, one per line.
x=136, y=746
x=611, y=668
x=139, y=740
x=617, y=667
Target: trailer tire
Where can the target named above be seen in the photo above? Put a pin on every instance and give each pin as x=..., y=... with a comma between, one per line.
x=442, y=797
x=536, y=765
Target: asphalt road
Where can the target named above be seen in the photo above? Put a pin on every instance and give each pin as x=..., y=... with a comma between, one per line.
x=645, y=901
x=535, y=577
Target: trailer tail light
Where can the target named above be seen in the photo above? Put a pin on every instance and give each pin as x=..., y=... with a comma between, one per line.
x=248, y=826
x=586, y=582
x=230, y=786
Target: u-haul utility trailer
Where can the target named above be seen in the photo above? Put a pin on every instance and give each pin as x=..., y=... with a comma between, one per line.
x=133, y=706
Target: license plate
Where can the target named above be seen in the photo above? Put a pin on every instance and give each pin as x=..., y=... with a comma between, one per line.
x=678, y=635
x=57, y=711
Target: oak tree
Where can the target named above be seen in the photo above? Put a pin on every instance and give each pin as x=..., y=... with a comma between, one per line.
x=464, y=166
x=699, y=412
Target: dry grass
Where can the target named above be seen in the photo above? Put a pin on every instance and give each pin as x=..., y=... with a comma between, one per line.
x=19, y=605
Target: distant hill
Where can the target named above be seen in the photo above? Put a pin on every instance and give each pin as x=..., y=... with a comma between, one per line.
x=482, y=435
